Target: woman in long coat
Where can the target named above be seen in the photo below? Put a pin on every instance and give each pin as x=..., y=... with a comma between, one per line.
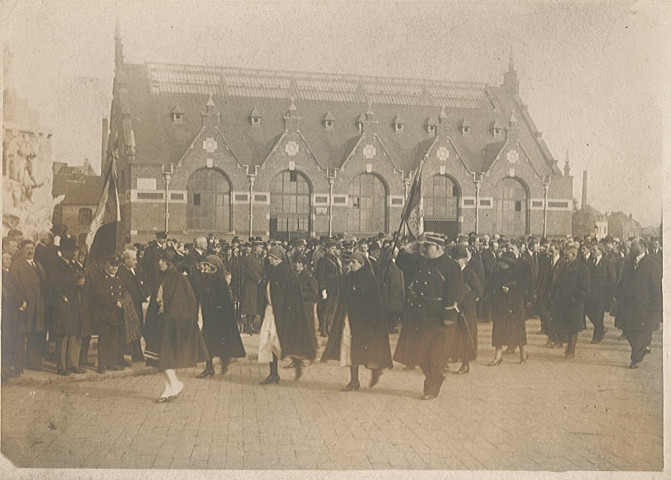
x=220, y=330
x=284, y=331
x=171, y=330
x=359, y=335
x=466, y=349
x=507, y=300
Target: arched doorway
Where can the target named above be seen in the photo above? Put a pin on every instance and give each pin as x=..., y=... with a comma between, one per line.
x=368, y=201
x=441, y=196
x=290, y=205
x=511, y=199
x=209, y=202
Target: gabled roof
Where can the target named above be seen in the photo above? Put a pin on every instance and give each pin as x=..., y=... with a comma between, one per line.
x=153, y=91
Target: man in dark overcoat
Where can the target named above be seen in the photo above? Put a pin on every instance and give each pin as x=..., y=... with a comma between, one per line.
x=9, y=327
x=602, y=288
x=639, y=297
x=106, y=296
x=392, y=289
x=150, y=259
x=251, y=287
x=571, y=289
x=65, y=304
x=436, y=286
x=327, y=272
x=27, y=279
x=132, y=279
x=547, y=277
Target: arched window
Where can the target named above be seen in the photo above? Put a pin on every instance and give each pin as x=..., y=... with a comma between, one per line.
x=290, y=195
x=511, y=198
x=209, y=202
x=85, y=216
x=441, y=197
x=368, y=202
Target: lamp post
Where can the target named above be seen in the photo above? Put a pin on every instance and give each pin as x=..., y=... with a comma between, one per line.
x=546, y=188
x=331, y=174
x=167, y=176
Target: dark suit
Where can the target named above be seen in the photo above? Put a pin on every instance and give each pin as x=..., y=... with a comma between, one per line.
x=639, y=296
x=571, y=289
x=9, y=327
x=328, y=273
x=65, y=303
x=546, y=281
x=134, y=285
x=602, y=286
x=106, y=291
x=27, y=285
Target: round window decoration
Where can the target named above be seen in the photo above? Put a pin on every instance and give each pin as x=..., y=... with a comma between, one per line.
x=369, y=151
x=443, y=154
x=513, y=156
x=291, y=148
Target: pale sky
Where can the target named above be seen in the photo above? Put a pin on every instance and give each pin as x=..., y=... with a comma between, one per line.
x=595, y=75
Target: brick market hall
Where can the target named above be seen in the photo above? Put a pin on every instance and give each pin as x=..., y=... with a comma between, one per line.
x=230, y=151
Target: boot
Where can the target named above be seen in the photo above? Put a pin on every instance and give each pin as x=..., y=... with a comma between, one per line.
x=354, y=379
x=274, y=376
x=208, y=372
x=298, y=365
x=225, y=362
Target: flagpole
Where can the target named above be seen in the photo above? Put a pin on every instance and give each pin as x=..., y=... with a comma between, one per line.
x=414, y=181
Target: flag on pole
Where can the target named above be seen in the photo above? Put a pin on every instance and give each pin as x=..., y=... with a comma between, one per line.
x=101, y=239
x=413, y=212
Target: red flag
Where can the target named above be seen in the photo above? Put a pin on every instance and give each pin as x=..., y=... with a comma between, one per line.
x=101, y=239
x=413, y=212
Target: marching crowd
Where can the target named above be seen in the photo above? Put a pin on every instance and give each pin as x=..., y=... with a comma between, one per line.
x=191, y=303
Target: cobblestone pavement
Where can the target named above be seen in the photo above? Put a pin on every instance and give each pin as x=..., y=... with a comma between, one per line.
x=592, y=413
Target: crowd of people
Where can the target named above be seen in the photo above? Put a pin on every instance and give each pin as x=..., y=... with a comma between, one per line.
x=191, y=303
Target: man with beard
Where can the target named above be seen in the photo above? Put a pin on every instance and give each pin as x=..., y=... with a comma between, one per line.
x=284, y=332
x=639, y=297
x=436, y=286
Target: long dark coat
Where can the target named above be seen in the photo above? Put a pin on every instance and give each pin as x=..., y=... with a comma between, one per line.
x=361, y=302
x=508, y=307
x=434, y=285
x=467, y=337
x=65, y=300
x=220, y=330
x=309, y=294
x=639, y=295
x=292, y=326
x=173, y=337
x=135, y=286
x=570, y=291
x=251, y=285
x=392, y=286
x=27, y=286
x=603, y=278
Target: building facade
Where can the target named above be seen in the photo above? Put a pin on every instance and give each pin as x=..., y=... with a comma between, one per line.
x=80, y=194
x=286, y=155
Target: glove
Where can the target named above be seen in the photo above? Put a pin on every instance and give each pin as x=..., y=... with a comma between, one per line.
x=450, y=316
x=324, y=294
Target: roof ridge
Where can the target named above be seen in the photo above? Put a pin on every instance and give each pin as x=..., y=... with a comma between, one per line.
x=324, y=75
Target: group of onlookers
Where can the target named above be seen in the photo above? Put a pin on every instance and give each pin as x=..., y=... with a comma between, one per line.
x=355, y=292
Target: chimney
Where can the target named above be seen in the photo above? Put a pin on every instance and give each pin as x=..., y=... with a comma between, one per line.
x=584, y=189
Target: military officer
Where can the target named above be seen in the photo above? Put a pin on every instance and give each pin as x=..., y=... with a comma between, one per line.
x=436, y=286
